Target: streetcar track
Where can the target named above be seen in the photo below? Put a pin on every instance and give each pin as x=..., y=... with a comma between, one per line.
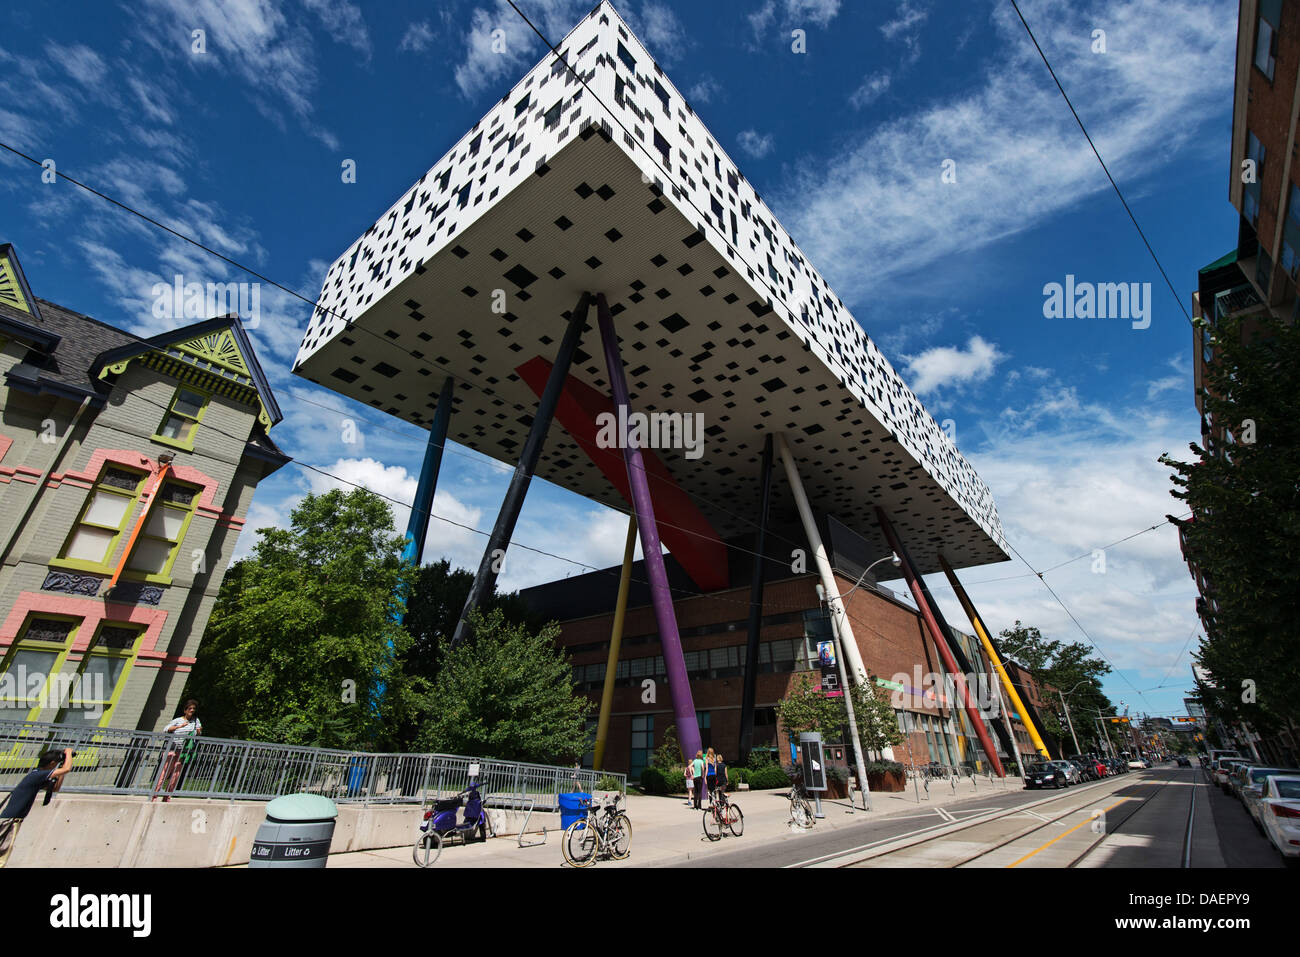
x=948, y=829
x=1164, y=782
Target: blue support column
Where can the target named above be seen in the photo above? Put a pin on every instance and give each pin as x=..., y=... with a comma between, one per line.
x=417, y=527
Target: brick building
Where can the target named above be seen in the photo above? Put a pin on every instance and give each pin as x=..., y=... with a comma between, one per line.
x=126, y=469
x=890, y=635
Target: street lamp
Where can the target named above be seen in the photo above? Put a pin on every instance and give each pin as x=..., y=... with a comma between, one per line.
x=848, y=692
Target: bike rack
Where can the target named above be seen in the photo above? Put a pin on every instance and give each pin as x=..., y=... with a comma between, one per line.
x=532, y=803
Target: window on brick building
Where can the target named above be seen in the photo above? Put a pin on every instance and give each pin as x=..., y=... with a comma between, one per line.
x=643, y=744
x=36, y=655
x=91, y=696
x=1270, y=15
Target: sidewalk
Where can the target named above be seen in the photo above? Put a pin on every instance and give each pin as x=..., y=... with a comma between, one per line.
x=666, y=832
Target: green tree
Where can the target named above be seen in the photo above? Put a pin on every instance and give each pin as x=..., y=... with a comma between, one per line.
x=433, y=608
x=302, y=638
x=1069, y=668
x=806, y=708
x=505, y=692
x=1245, y=500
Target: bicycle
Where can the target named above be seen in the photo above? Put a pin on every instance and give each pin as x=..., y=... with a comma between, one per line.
x=604, y=829
x=722, y=815
x=801, y=812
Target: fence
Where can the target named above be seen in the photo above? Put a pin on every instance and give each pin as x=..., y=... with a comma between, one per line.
x=120, y=761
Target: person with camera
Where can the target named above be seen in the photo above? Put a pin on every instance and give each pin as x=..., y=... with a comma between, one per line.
x=54, y=764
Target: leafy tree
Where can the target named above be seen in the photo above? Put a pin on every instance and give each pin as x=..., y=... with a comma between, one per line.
x=433, y=608
x=1069, y=668
x=808, y=708
x=505, y=692
x=1245, y=501
x=302, y=636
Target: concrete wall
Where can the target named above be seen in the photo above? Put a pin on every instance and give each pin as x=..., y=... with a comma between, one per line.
x=92, y=830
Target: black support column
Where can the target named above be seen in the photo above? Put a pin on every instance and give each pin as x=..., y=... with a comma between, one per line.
x=486, y=578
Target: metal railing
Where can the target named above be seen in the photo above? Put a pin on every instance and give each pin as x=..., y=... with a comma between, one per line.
x=120, y=761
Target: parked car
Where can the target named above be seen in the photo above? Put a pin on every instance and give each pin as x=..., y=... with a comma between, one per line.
x=1071, y=772
x=1222, y=768
x=1252, y=784
x=1092, y=768
x=1044, y=775
x=1137, y=764
x=1280, y=814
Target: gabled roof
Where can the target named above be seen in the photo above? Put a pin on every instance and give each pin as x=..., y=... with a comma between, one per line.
x=14, y=291
x=199, y=345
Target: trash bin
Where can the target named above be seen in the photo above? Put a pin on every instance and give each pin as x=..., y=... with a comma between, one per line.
x=573, y=807
x=296, y=833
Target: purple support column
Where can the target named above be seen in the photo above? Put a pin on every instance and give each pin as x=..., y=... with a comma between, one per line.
x=688, y=728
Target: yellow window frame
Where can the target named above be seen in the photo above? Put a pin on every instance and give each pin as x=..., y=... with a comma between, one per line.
x=95, y=651
x=164, y=577
x=24, y=644
x=106, y=565
x=188, y=443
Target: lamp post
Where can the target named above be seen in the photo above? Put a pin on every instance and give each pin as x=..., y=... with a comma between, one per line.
x=844, y=683
x=1068, y=719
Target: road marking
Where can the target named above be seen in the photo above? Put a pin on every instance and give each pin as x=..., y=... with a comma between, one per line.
x=944, y=814
x=1066, y=834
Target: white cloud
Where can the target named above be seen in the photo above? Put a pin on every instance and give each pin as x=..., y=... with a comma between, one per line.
x=948, y=366
x=659, y=29
x=873, y=87
x=704, y=90
x=910, y=16
x=1069, y=477
x=500, y=45
x=793, y=13
x=755, y=144
x=881, y=199
x=417, y=38
x=343, y=22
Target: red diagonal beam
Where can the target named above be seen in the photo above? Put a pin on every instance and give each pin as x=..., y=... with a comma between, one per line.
x=688, y=535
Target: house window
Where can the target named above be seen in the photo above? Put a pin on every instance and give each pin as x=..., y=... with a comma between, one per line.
x=703, y=719
x=662, y=146
x=522, y=104
x=169, y=516
x=553, y=114
x=104, y=516
x=90, y=697
x=1291, y=234
x=1250, y=196
x=643, y=743
x=1270, y=14
x=183, y=417
x=25, y=674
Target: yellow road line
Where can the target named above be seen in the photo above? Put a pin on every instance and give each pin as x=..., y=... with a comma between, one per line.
x=1066, y=834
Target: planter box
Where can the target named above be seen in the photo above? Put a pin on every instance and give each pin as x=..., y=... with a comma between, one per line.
x=889, y=781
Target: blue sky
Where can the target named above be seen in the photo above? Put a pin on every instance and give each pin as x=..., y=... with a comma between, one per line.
x=242, y=146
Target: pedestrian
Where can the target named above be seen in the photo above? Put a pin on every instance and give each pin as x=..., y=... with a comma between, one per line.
x=690, y=783
x=181, y=729
x=721, y=775
x=51, y=768
x=710, y=772
x=697, y=766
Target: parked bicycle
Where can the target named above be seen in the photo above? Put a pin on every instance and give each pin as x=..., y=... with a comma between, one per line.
x=722, y=815
x=801, y=812
x=605, y=831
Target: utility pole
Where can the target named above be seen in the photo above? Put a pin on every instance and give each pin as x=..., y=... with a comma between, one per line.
x=1070, y=722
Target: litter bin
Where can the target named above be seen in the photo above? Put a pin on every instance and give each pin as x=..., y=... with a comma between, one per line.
x=296, y=833
x=573, y=807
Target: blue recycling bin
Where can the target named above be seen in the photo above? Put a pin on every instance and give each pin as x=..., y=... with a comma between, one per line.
x=573, y=807
x=356, y=777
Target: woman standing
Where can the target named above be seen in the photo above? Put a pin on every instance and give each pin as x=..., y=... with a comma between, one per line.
x=697, y=766
x=690, y=783
x=181, y=729
x=710, y=772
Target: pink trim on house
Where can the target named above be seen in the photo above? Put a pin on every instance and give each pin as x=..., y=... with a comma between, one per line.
x=5, y=442
x=92, y=611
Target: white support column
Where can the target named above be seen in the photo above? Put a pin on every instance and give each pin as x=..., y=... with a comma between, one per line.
x=839, y=618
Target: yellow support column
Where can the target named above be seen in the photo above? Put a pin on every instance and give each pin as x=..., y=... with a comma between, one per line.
x=978, y=624
x=615, y=638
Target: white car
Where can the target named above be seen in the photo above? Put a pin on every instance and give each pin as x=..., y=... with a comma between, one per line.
x=1280, y=813
x=1137, y=764
x=1252, y=786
